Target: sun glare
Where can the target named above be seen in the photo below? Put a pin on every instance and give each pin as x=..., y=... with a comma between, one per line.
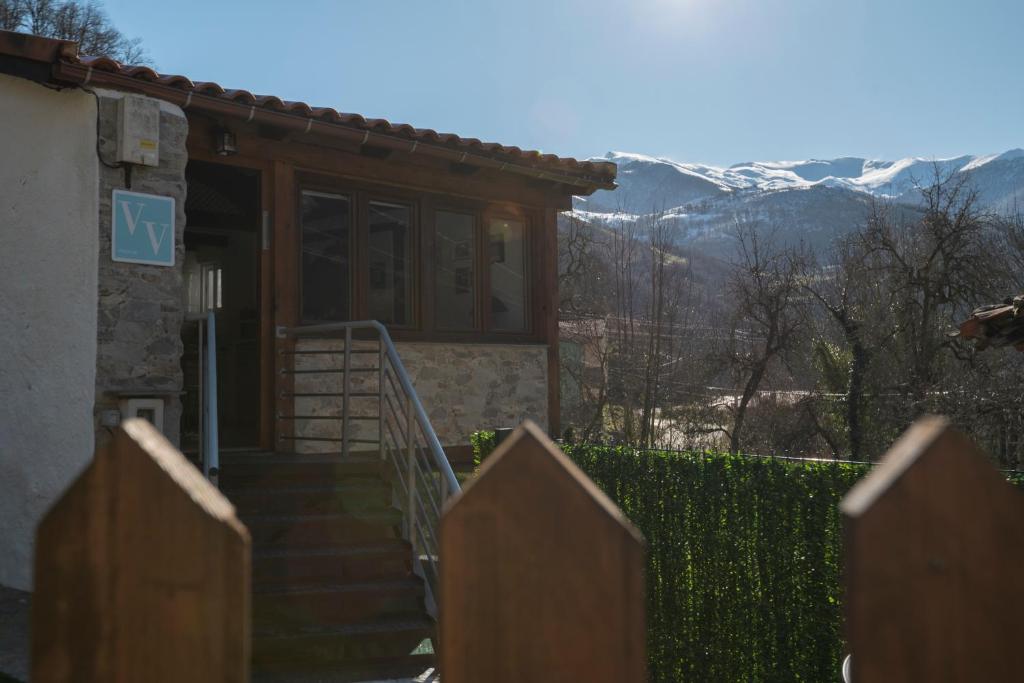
x=671, y=18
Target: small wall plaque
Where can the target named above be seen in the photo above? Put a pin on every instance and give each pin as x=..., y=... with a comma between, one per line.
x=142, y=228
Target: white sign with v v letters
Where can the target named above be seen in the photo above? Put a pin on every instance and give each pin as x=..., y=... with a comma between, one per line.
x=142, y=228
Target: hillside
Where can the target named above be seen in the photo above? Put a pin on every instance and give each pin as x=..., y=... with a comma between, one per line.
x=811, y=201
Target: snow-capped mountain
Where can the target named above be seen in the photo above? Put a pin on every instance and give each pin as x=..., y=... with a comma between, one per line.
x=812, y=200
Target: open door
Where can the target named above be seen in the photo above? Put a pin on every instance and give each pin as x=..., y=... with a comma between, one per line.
x=222, y=252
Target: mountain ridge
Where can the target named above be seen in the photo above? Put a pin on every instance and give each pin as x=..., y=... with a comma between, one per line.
x=875, y=176
x=813, y=200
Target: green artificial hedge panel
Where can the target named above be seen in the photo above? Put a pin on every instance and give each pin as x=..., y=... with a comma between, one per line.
x=743, y=559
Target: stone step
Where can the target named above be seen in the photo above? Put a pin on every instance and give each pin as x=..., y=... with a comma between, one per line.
x=343, y=563
x=297, y=605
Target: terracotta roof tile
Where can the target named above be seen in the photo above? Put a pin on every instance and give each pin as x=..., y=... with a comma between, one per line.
x=63, y=53
x=602, y=170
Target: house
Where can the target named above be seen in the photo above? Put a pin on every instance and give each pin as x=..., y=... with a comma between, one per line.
x=135, y=203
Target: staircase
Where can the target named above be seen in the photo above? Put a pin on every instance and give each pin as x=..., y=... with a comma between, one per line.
x=345, y=523
x=334, y=594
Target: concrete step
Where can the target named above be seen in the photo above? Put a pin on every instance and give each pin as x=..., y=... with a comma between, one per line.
x=297, y=605
x=330, y=529
x=420, y=668
x=342, y=563
x=334, y=596
x=337, y=647
x=355, y=494
x=265, y=471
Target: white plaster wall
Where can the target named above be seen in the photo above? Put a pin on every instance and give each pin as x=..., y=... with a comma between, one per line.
x=48, y=247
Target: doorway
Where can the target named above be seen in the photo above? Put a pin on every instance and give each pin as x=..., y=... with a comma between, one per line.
x=221, y=272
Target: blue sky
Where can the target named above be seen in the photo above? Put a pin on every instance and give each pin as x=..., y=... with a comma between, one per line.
x=713, y=81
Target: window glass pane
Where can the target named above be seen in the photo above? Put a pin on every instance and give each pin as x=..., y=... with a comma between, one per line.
x=390, y=246
x=508, y=275
x=326, y=269
x=454, y=265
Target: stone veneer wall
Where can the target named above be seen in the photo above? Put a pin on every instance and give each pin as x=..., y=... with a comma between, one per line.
x=463, y=388
x=468, y=387
x=140, y=307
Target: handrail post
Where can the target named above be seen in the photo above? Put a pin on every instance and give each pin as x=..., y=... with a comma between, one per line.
x=201, y=403
x=380, y=392
x=410, y=421
x=345, y=392
x=433, y=448
x=421, y=528
x=211, y=462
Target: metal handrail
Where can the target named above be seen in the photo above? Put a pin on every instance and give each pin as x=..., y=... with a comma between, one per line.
x=423, y=483
x=440, y=459
x=209, y=437
x=211, y=454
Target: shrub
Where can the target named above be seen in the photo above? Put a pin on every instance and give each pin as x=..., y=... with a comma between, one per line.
x=743, y=559
x=483, y=443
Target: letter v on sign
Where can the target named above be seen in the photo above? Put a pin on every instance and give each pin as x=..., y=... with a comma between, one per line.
x=151, y=229
x=131, y=218
x=154, y=244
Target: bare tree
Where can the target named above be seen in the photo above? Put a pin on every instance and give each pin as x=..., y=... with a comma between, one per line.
x=83, y=21
x=582, y=272
x=12, y=15
x=858, y=306
x=765, y=290
x=933, y=264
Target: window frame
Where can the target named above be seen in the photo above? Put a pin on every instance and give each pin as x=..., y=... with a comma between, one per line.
x=424, y=206
x=415, y=252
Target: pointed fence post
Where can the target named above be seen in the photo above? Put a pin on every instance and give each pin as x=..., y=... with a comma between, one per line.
x=542, y=576
x=934, y=544
x=141, y=572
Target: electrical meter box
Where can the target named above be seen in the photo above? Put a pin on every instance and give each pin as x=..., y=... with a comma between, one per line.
x=138, y=130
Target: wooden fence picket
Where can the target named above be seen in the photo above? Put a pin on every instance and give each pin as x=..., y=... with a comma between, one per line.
x=934, y=545
x=542, y=576
x=142, y=573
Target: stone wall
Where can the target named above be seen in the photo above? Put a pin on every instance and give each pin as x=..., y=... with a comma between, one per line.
x=48, y=243
x=463, y=388
x=140, y=306
x=468, y=387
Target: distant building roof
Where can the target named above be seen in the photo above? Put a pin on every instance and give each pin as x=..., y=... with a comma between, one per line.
x=996, y=325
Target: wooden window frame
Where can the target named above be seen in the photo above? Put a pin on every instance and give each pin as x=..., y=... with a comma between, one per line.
x=424, y=206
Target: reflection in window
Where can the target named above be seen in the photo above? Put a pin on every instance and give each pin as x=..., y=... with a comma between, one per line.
x=508, y=275
x=455, y=273
x=390, y=247
x=326, y=268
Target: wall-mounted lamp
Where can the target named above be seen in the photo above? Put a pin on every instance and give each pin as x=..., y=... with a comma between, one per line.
x=225, y=142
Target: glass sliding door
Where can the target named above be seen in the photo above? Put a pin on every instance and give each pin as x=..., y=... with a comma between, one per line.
x=455, y=270
x=508, y=275
x=390, y=292
x=326, y=268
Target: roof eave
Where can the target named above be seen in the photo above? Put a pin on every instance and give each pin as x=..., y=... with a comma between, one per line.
x=189, y=100
x=64, y=66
